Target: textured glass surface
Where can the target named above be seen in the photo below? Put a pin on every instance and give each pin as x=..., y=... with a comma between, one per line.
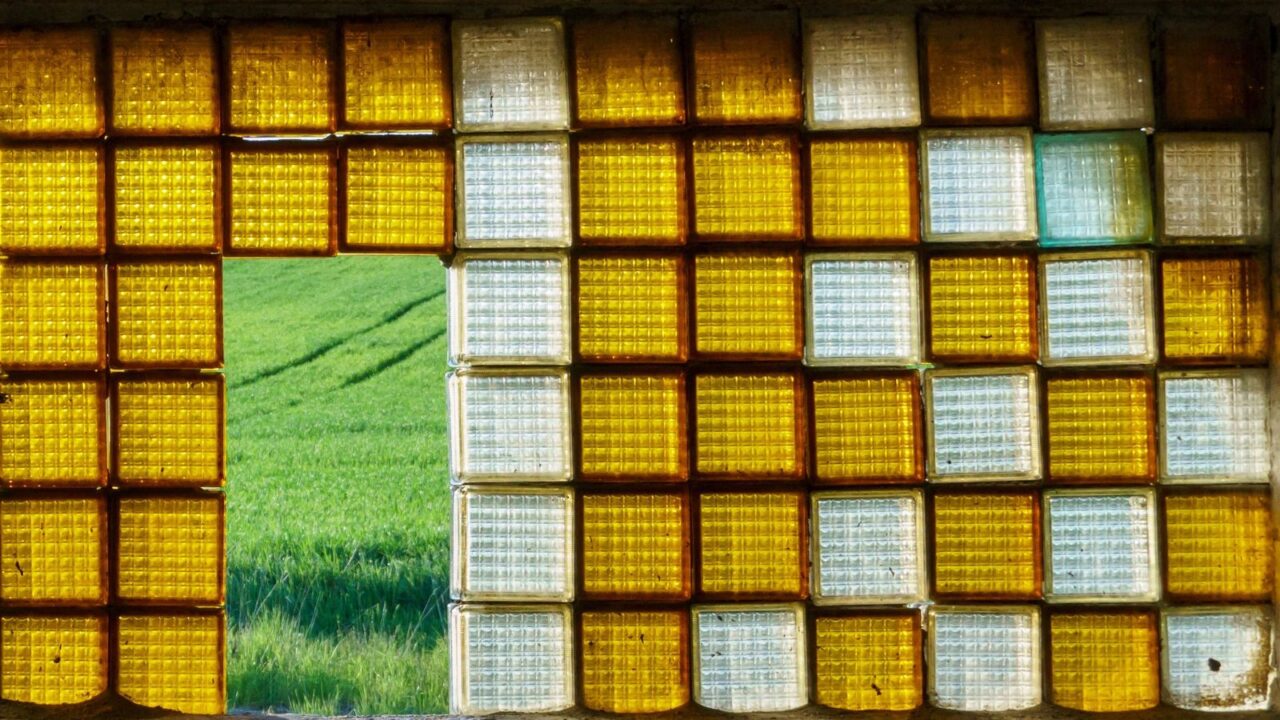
x=1215, y=309
x=54, y=550
x=167, y=313
x=52, y=315
x=280, y=78
x=863, y=311
x=170, y=549
x=983, y=425
x=51, y=199
x=748, y=305
x=1104, y=662
x=632, y=427
x=748, y=426
x=982, y=308
x=745, y=68
x=399, y=197
x=752, y=544
x=860, y=72
x=50, y=84
x=509, y=308
x=631, y=190
x=1101, y=547
x=1237, y=641
x=635, y=662
x=868, y=662
x=514, y=546
x=282, y=200
x=167, y=197
x=867, y=428
x=747, y=187
x=396, y=74
x=985, y=660
x=514, y=192
x=1101, y=428
x=632, y=307
x=750, y=658
x=510, y=426
x=986, y=546
x=1214, y=426
x=864, y=190
x=53, y=660
x=168, y=430
x=1095, y=73
x=1093, y=189
x=510, y=74
x=172, y=661
x=978, y=185
x=635, y=546
x=867, y=548
x=628, y=71
x=516, y=660
x=978, y=70
x=164, y=81
x=1219, y=547
x=52, y=432
x=1097, y=309
x=1214, y=187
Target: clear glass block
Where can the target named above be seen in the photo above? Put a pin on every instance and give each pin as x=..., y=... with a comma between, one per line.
x=510, y=74
x=860, y=72
x=1097, y=308
x=509, y=309
x=1101, y=546
x=979, y=185
x=1217, y=658
x=750, y=658
x=510, y=425
x=1213, y=426
x=1093, y=189
x=513, y=192
x=984, y=424
x=1095, y=73
x=984, y=658
x=510, y=658
x=1213, y=187
x=863, y=309
x=512, y=544
x=868, y=547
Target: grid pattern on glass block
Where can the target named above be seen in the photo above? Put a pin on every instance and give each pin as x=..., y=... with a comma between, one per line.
x=52, y=431
x=749, y=658
x=40, y=102
x=978, y=70
x=1104, y=662
x=1215, y=309
x=863, y=311
x=635, y=546
x=510, y=74
x=632, y=427
x=628, y=72
x=987, y=546
x=863, y=190
x=631, y=190
x=868, y=662
x=511, y=660
x=167, y=198
x=1214, y=427
x=1095, y=74
x=514, y=193
x=53, y=550
x=169, y=549
x=1101, y=428
x=1101, y=547
x=1214, y=187
x=1093, y=189
x=511, y=426
x=1237, y=639
x=53, y=660
x=748, y=305
x=867, y=428
x=168, y=430
x=398, y=197
x=635, y=662
x=985, y=661
x=167, y=313
x=164, y=81
x=978, y=185
x=51, y=315
x=867, y=548
x=748, y=426
x=172, y=661
x=752, y=544
x=1219, y=546
x=279, y=78
x=396, y=74
x=747, y=187
x=860, y=72
x=511, y=308
x=52, y=199
x=1097, y=309
x=282, y=201
x=745, y=68
x=515, y=545
x=982, y=307
x=632, y=308
x=983, y=425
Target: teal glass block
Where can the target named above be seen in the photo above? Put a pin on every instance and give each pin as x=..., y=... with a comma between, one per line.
x=1093, y=189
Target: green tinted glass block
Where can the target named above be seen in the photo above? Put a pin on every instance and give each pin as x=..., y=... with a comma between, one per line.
x=1093, y=189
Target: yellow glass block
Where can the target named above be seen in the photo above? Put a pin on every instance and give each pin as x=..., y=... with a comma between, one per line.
x=172, y=661
x=280, y=78
x=982, y=308
x=867, y=429
x=632, y=308
x=53, y=431
x=282, y=201
x=50, y=83
x=748, y=305
x=54, y=550
x=869, y=662
x=1101, y=429
x=632, y=427
x=168, y=430
x=1218, y=546
x=1104, y=662
x=986, y=545
x=745, y=68
x=635, y=662
x=399, y=197
x=169, y=549
x=628, y=72
x=52, y=315
x=53, y=660
x=747, y=187
x=168, y=198
x=51, y=199
x=1215, y=309
x=749, y=426
x=396, y=75
x=167, y=314
x=635, y=546
x=864, y=190
x=164, y=81
x=631, y=190
x=752, y=545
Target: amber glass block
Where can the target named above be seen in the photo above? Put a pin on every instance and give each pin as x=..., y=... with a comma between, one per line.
x=869, y=662
x=746, y=69
x=166, y=314
x=174, y=661
x=50, y=83
x=280, y=78
x=986, y=546
x=52, y=315
x=53, y=431
x=982, y=308
x=978, y=71
x=635, y=546
x=1101, y=428
x=863, y=190
x=1215, y=73
x=752, y=545
x=749, y=426
x=631, y=190
x=282, y=201
x=53, y=660
x=1218, y=547
x=628, y=72
x=632, y=307
x=168, y=198
x=635, y=661
x=51, y=199
x=54, y=548
x=169, y=549
x=867, y=429
x=398, y=197
x=164, y=81
x=168, y=429
x=748, y=305
x=1104, y=662
x=633, y=427
x=396, y=75
x=747, y=187
x=1215, y=309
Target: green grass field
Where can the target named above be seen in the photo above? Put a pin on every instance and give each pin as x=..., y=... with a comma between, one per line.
x=338, y=500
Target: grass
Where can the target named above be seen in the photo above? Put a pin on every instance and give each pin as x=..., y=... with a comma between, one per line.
x=337, y=496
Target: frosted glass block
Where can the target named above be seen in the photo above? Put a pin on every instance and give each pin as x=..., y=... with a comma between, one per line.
x=510, y=74
x=1095, y=74
x=984, y=424
x=1217, y=658
x=978, y=185
x=1101, y=546
x=868, y=547
x=984, y=659
x=513, y=192
x=1213, y=187
x=860, y=72
x=510, y=658
x=1096, y=308
x=1093, y=189
x=509, y=309
x=749, y=658
x=863, y=309
x=509, y=425
x=512, y=544
x=1213, y=426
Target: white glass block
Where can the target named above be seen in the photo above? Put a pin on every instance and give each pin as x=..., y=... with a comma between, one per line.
x=510, y=425
x=984, y=659
x=863, y=309
x=1101, y=546
x=868, y=547
x=978, y=185
x=510, y=74
x=1096, y=308
x=984, y=424
x=1214, y=186
x=1214, y=426
x=513, y=193
x=509, y=309
x=1094, y=189
x=510, y=658
x=860, y=72
x=1095, y=73
x=512, y=544
x=749, y=658
x=1217, y=658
